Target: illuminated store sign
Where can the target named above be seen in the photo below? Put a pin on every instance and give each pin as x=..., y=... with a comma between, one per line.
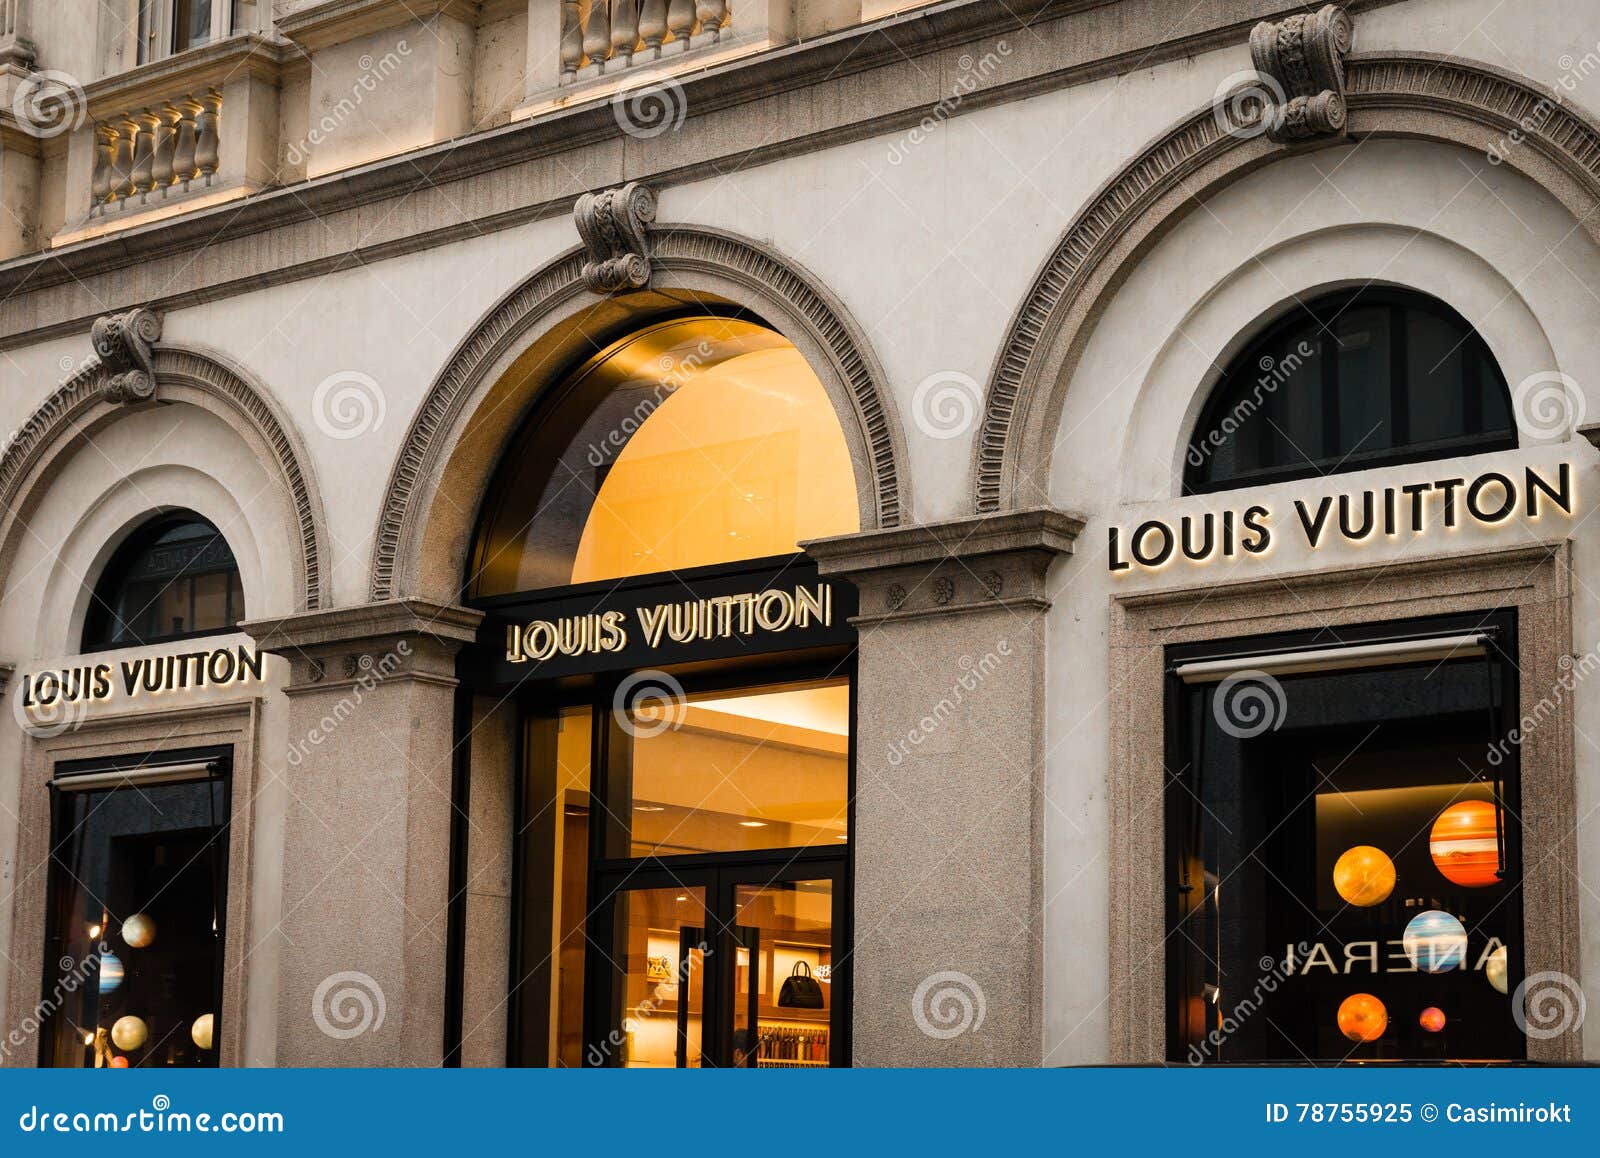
x=711, y=614
x=144, y=676
x=1415, y=509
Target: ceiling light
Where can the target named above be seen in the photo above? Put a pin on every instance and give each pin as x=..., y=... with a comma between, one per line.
x=752, y=824
x=648, y=808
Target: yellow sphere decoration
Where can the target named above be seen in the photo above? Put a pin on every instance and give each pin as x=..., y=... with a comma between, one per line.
x=1364, y=876
x=1495, y=969
x=1362, y=1017
x=138, y=931
x=129, y=1032
x=200, y=1031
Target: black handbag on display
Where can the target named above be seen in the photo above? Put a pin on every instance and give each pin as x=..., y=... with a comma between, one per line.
x=800, y=989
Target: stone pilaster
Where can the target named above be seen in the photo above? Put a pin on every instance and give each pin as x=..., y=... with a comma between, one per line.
x=366, y=841
x=949, y=806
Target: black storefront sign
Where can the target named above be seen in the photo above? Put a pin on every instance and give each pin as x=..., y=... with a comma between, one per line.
x=710, y=613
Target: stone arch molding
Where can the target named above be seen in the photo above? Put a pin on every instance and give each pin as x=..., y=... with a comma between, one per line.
x=684, y=260
x=130, y=370
x=1478, y=107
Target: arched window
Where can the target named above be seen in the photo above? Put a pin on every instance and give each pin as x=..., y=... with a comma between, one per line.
x=175, y=577
x=1349, y=381
x=691, y=442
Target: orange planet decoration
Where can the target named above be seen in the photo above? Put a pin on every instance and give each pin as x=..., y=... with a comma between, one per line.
x=119, y=1062
x=1362, y=1017
x=1463, y=844
x=1432, y=1019
x=1364, y=876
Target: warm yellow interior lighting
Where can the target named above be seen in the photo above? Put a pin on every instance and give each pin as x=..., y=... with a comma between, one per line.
x=742, y=460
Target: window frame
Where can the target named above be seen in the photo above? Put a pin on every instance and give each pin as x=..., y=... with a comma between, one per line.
x=157, y=24
x=1322, y=311
x=101, y=614
x=1181, y=807
x=222, y=757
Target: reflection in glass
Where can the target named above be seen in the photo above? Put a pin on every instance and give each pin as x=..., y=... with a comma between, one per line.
x=174, y=577
x=693, y=442
x=138, y=887
x=1312, y=891
x=734, y=771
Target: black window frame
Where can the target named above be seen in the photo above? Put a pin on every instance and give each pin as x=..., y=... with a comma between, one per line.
x=1181, y=804
x=1317, y=316
x=101, y=619
x=220, y=757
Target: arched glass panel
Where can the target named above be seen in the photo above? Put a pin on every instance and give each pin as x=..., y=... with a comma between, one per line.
x=691, y=442
x=174, y=577
x=1350, y=381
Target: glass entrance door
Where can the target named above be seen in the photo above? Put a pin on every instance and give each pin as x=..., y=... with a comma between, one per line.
x=718, y=967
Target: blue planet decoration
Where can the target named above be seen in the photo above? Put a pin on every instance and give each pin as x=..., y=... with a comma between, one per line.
x=110, y=973
x=1435, y=941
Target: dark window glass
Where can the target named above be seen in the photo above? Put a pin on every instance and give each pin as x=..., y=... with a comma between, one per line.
x=175, y=577
x=1346, y=878
x=1346, y=382
x=191, y=23
x=138, y=894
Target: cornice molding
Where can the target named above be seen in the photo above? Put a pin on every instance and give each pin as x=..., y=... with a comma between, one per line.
x=83, y=401
x=973, y=564
x=1387, y=94
x=1066, y=42
x=685, y=248
x=249, y=54
x=338, y=21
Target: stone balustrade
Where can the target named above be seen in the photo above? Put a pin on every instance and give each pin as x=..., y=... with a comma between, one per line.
x=600, y=37
x=146, y=155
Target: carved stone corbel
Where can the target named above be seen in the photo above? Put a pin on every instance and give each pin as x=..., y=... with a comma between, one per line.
x=123, y=343
x=1303, y=59
x=613, y=225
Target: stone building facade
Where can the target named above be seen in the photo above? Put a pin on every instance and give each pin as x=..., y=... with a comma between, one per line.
x=321, y=276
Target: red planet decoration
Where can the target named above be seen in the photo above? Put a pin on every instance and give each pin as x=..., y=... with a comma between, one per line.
x=1463, y=844
x=1362, y=1017
x=1432, y=1019
x=118, y=1062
